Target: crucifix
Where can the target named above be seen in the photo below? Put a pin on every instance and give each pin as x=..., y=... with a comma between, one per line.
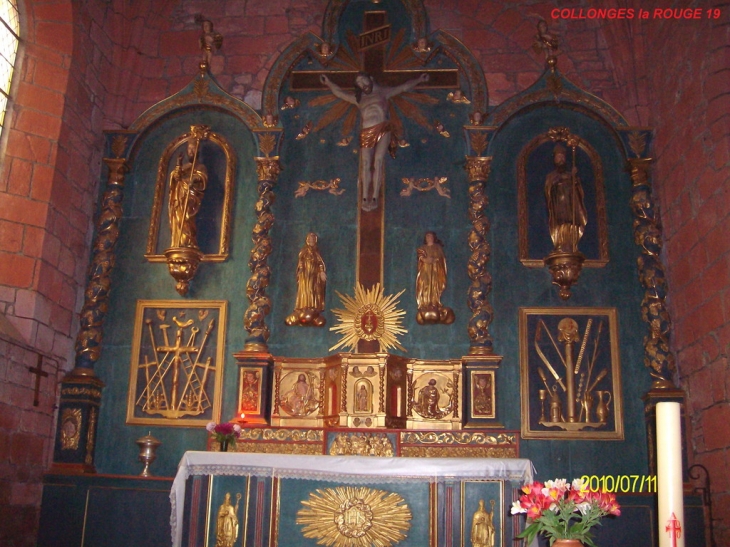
x=373, y=85
x=39, y=372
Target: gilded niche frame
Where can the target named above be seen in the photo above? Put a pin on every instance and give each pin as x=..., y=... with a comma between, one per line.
x=576, y=351
x=163, y=170
x=525, y=182
x=176, y=377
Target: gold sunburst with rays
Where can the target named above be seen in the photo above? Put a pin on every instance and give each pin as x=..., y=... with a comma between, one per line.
x=370, y=315
x=348, y=516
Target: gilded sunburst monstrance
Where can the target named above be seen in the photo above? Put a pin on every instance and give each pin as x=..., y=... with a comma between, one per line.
x=370, y=315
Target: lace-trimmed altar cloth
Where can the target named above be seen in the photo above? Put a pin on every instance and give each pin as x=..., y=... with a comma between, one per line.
x=336, y=469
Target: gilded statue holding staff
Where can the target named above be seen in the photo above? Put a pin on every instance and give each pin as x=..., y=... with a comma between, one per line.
x=188, y=181
x=567, y=217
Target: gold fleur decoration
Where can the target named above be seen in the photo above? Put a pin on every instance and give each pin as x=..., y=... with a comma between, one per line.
x=637, y=143
x=370, y=315
x=200, y=88
x=348, y=516
x=119, y=143
x=267, y=141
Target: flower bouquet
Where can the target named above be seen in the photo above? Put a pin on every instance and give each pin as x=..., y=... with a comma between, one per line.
x=562, y=510
x=224, y=433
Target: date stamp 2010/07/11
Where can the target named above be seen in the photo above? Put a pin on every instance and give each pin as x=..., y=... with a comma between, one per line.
x=620, y=483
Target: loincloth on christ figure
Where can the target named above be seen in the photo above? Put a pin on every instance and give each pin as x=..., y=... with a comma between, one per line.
x=371, y=136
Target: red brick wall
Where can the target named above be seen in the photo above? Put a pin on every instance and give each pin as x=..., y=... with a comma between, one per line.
x=26, y=442
x=47, y=196
x=691, y=112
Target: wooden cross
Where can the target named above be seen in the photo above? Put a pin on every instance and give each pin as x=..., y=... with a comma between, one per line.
x=39, y=372
x=372, y=42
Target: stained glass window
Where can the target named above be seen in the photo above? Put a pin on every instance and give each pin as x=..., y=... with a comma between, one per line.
x=9, y=36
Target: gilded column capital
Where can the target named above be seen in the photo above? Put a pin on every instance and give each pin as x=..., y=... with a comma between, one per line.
x=478, y=167
x=640, y=171
x=268, y=168
x=118, y=168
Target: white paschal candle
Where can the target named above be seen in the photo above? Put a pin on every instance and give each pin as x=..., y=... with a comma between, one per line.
x=669, y=475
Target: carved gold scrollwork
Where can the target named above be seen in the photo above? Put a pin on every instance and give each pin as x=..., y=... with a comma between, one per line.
x=96, y=296
x=332, y=186
x=648, y=236
x=254, y=320
x=481, y=281
x=425, y=185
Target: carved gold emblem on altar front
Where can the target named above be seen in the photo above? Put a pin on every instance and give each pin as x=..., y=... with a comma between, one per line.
x=348, y=516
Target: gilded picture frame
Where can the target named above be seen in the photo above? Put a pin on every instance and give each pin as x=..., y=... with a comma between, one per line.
x=533, y=165
x=177, y=362
x=570, y=374
x=483, y=394
x=250, y=384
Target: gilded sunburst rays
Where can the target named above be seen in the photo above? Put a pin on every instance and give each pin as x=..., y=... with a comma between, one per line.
x=370, y=315
x=348, y=516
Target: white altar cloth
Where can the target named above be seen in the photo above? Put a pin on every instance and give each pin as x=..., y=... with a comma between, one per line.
x=336, y=468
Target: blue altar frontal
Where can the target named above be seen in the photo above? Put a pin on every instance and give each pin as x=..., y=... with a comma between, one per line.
x=255, y=500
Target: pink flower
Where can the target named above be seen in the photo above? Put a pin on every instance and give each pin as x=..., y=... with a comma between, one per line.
x=210, y=427
x=225, y=428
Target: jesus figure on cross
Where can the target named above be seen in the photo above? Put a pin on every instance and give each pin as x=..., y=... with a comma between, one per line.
x=376, y=131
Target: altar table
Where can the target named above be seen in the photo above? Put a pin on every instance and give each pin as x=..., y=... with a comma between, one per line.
x=298, y=499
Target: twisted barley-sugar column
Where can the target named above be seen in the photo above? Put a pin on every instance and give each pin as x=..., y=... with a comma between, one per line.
x=478, y=169
x=254, y=320
x=98, y=283
x=648, y=236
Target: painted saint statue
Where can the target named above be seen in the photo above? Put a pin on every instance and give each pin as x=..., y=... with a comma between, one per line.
x=311, y=285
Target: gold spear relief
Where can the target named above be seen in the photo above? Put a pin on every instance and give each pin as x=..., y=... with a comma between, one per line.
x=177, y=362
x=571, y=371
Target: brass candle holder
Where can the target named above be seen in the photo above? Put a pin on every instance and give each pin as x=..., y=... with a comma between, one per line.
x=147, y=447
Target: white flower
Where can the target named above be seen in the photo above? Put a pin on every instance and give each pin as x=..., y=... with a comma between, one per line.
x=583, y=507
x=237, y=428
x=579, y=486
x=210, y=427
x=517, y=508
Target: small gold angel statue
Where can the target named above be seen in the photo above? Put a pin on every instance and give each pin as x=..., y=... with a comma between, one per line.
x=457, y=97
x=210, y=40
